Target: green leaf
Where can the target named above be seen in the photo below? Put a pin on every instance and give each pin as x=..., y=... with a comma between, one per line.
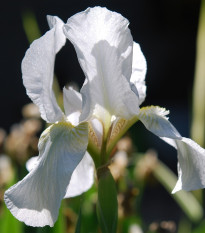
x=198, y=109
x=200, y=228
x=30, y=26
x=78, y=225
x=184, y=225
x=8, y=223
x=186, y=200
x=107, y=207
x=60, y=225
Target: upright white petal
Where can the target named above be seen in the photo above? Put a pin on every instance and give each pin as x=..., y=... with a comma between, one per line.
x=139, y=69
x=72, y=104
x=73, y=108
x=104, y=44
x=72, y=101
x=36, y=199
x=191, y=157
x=38, y=68
x=59, y=38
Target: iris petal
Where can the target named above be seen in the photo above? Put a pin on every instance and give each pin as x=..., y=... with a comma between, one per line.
x=154, y=118
x=191, y=165
x=139, y=69
x=83, y=175
x=191, y=157
x=36, y=199
x=38, y=68
x=103, y=44
x=72, y=101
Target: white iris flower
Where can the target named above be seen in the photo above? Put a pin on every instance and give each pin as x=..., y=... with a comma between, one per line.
x=94, y=119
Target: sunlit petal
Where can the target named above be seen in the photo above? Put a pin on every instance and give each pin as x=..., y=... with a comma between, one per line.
x=170, y=141
x=38, y=68
x=154, y=118
x=139, y=69
x=72, y=101
x=191, y=163
x=36, y=199
x=83, y=175
x=104, y=44
x=191, y=156
x=72, y=105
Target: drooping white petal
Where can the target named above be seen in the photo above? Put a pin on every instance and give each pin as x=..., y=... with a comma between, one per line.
x=154, y=118
x=103, y=44
x=83, y=175
x=36, y=199
x=191, y=157
x=170, y=141
x=38, y=68
x=139, y=69
x=191, y=165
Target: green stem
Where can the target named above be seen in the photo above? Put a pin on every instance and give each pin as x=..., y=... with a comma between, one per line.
x=103, y=155
x=107, y=206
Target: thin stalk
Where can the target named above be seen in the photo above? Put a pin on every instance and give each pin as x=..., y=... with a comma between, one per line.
x=30, y=26
x=198, y=108
x=186, y=200
x=198, y=122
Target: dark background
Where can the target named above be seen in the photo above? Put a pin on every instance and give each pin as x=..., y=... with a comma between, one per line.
x=166, y=32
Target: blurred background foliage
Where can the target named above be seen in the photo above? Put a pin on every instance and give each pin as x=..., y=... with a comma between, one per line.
x=172, y=37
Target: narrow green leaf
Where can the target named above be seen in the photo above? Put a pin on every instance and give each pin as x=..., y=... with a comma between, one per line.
x=30, y=26
x=198, y=109
x=184, y=226
x=107, y=207
x=186, y=200
x=198, y=106
x=78, y=225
